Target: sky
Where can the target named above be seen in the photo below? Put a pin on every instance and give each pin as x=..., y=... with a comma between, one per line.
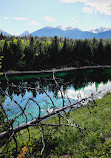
x=17, y=16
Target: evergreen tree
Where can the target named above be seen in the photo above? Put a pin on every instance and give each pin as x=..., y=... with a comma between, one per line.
x=7, y=63
x=100, y=55
x=1, y=36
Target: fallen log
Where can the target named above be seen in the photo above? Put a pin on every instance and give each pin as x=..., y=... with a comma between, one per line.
x=39, y=119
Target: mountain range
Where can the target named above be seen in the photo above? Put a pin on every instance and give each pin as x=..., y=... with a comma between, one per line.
x=73, y=33
x=4, y=33
x=26, y=33
x=69, y=32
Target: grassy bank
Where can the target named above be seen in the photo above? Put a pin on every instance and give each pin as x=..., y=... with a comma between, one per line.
x=94, y=141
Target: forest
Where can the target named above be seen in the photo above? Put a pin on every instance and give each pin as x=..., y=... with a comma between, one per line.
x=39, y=53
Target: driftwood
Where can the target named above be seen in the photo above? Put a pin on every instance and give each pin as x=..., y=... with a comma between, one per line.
x=56, y=70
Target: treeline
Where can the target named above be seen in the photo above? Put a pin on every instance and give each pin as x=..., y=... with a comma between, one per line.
x=35, y=53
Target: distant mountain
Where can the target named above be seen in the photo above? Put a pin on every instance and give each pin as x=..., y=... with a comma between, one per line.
x=101, y=29
x=78, y=34
x=105, y=35
x=49, y=32
x=4, y=33
x=70, y=32
x=67, y=32
x=26, y=33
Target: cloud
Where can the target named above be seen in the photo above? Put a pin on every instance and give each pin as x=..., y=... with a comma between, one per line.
x=16, y=18
x=88, y=10
x=49, y=19
x=6, y=18
x=15, y=34
x=101, y=6
x=33, y=23
x=20, y=18
x=73, y=19
x=68, y=1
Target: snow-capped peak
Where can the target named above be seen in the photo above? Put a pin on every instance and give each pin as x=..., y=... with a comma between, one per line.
x=64, y=28
x=101, y=29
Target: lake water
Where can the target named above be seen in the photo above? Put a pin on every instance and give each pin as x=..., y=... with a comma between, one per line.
x=34, y=91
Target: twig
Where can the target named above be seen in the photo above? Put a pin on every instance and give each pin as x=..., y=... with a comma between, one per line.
x=59, y=88
x=41, y=129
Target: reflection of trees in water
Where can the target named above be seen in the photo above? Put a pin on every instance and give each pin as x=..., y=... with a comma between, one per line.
x=76, y=79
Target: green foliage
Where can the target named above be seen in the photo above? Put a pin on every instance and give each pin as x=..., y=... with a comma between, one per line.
x=34, y=53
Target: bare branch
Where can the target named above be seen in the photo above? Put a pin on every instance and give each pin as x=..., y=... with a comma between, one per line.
x=37, y=120
x=43, y=142
x=58, y=88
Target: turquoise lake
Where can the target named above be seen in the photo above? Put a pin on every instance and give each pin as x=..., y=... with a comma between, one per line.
x=28, y=91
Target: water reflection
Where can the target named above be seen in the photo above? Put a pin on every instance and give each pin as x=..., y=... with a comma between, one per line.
x=75, y=79
x=91, y=88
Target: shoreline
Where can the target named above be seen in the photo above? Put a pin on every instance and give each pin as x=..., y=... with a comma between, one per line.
x=55, y=70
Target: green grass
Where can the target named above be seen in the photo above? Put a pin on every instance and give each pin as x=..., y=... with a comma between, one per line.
x=94, y=141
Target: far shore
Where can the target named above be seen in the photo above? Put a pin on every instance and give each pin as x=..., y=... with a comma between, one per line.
x=55, y=70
